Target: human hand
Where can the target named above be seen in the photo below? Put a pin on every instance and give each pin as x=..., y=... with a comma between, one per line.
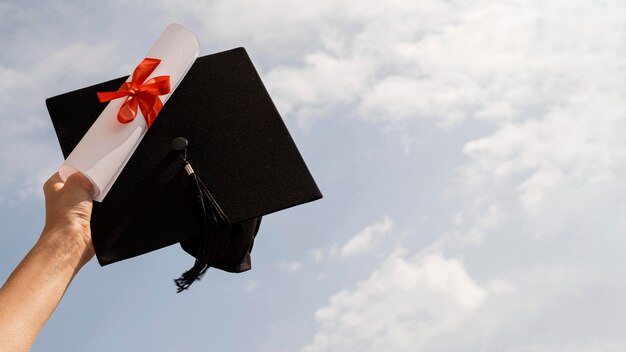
x=68, y=212
x=34, y=289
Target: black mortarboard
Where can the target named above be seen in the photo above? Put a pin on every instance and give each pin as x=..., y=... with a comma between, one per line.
x=245, y=165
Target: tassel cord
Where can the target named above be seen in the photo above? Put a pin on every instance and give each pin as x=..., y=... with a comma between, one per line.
x=215, y=239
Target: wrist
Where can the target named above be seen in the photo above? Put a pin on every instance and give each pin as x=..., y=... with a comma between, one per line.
x=68, y=245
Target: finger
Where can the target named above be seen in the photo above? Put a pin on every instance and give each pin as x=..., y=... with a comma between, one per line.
x=79, y=181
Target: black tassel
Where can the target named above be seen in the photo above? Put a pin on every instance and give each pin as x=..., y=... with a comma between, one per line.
x=215, y=228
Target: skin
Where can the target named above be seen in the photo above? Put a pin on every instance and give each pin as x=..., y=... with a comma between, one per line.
x=35, y=288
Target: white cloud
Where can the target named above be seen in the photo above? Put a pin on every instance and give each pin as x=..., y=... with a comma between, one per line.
x=402, y=306
x=24, y=123
x=317, y=254
x=397, y=61
x=289, y=266
x=542, y=189
x=367, y=239
x=307, y=92
x=429, y=301
x=339, y=54
x=251, y=286
x=554, y=169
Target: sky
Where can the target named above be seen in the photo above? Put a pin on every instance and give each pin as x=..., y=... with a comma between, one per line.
x=471, y=155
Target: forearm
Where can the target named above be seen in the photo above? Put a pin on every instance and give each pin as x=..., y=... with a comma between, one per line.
x=36, y=286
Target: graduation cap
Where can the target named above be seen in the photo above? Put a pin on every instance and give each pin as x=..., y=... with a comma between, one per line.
x=214, y=159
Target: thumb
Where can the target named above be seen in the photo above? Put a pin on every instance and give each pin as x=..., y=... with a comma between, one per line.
x=77, y=182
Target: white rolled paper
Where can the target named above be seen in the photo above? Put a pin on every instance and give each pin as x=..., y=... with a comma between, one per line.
x=107, y=146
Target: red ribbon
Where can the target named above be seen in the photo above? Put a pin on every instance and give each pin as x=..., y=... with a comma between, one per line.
x=142, y=93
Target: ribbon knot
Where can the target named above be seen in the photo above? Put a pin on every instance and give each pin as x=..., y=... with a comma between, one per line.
x=139, y=92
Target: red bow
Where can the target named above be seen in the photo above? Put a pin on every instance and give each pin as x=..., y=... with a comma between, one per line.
x=137, y=92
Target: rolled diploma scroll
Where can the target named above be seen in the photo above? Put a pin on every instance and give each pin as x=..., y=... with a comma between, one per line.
x=107, y=146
